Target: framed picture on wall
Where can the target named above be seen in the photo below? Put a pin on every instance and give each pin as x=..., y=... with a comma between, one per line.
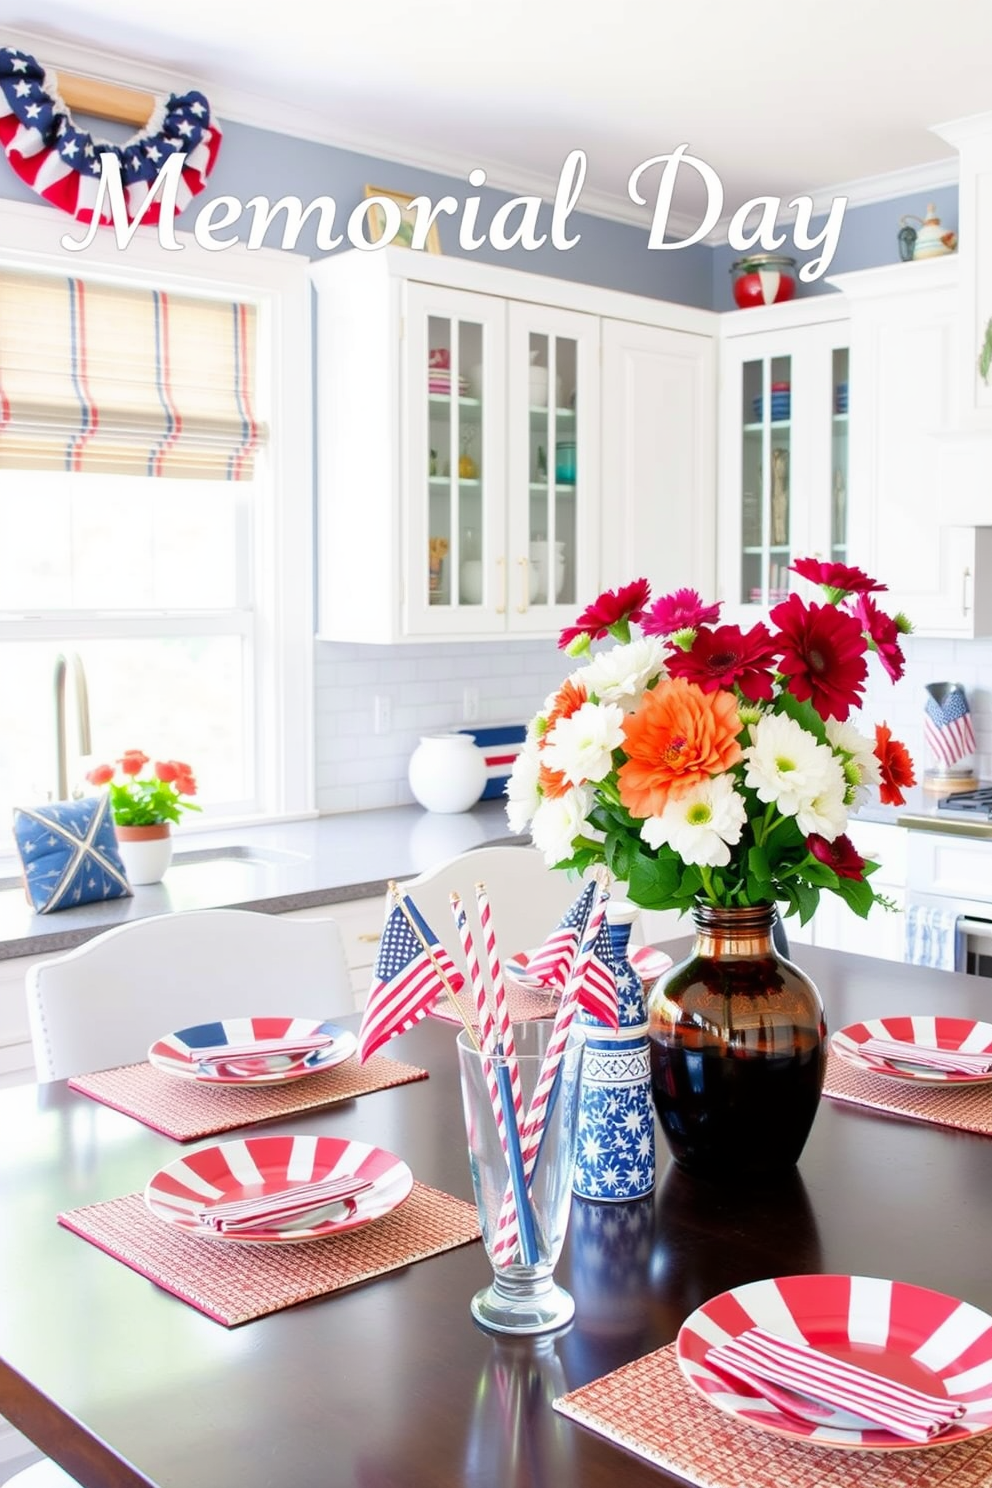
x=377, y=220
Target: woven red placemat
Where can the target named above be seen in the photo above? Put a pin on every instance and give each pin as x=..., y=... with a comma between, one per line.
x=967, y=1107
x=234, y=1283
x=185, y=1110
x=523, y=1004
x=648, y=1407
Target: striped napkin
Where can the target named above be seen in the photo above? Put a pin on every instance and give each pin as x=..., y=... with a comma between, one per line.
x=299, y=1047
x=955, y=1061
x=236, y=1215
x=757, y=1358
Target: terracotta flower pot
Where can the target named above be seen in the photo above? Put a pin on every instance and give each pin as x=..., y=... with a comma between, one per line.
x=146, y=852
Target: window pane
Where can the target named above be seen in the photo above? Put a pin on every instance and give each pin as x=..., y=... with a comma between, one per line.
x=173, y=697
x=98, y=542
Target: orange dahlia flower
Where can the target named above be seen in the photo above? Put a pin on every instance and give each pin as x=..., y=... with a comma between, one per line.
x=678, y=737
x=568, y=700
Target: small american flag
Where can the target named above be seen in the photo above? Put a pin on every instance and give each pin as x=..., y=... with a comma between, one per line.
x=407, y=978
x=947, y=727
x=552, y=961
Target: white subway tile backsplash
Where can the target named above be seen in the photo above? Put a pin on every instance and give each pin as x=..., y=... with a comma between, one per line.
x=357, y=769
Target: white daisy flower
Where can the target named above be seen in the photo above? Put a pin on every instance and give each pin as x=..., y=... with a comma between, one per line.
x=522, y=795
x=786, y=765
x=702, y=825
x=859, y=761
x=581, y=746
x=559, y=820
x=621, y=674
x=826, y=813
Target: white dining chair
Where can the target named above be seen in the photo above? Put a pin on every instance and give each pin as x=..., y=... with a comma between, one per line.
x=104, y=1003
x=527, y=897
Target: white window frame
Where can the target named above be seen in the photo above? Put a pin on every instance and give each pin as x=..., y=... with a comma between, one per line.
x=281, y=689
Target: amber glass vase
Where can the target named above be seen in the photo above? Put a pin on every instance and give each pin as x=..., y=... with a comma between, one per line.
x=738, y=1049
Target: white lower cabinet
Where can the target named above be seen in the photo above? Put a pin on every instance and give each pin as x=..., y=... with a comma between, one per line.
x=882, y=934
x=360, y=922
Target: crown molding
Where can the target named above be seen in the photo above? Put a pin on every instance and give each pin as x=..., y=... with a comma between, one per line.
x=241, y=106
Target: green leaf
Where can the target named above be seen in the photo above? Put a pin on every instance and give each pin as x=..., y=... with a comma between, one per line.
x=654, y=881
x=807, y=899
x=803, y=713
x=858, y=895
x=758, y=866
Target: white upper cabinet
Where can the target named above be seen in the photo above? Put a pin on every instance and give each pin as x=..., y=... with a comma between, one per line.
x=912, y=480
x=479, y=474
x=973, y=139
x=659, y=457
x=783, y=471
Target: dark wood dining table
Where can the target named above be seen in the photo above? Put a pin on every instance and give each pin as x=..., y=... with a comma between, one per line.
x=391, y=1383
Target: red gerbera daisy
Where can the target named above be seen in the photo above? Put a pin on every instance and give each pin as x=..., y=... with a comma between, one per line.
x=726, y=657
x=897, y=767
x=841, y=855
x=883, y=635
x=681, y=610
x=822, y=655
x=610, y=614
x=837, y=578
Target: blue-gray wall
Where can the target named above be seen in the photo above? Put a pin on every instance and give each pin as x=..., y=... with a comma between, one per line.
x=614, y=255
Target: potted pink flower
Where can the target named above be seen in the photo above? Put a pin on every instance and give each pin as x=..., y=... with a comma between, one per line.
x=144, y=807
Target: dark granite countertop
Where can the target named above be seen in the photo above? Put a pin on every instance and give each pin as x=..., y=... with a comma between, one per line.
x=275, y=868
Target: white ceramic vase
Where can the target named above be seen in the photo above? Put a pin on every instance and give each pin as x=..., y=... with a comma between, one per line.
x=447, y=772
x=146, y=852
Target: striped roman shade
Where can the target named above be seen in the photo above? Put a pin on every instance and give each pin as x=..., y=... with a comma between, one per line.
x=96, y=377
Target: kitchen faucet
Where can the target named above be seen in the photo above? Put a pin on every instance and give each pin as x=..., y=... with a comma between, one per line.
x=82, y=717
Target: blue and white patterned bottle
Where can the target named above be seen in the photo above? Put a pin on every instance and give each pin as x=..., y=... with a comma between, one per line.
x=615, y=1161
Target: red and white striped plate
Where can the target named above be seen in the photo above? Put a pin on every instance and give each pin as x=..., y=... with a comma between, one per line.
x=921, y=1338
x=932, y=1031
x=175, y=1053
x=252, y=1166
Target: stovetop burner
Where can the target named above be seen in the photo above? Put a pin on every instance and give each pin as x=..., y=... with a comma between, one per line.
x=973, y=803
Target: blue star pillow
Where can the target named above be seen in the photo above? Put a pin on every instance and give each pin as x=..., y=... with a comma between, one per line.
x=69, y=853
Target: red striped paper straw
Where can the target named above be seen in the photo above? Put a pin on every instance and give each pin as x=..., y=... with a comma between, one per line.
x=757, y=1355
x=504, y=1024
x=534, y=1125
x=499, y=1086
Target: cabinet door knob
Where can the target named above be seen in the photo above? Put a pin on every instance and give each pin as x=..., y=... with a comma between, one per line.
x=501, y=571
x=525, y=585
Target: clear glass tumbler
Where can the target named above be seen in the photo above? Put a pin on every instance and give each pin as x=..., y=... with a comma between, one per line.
x=523, y=1296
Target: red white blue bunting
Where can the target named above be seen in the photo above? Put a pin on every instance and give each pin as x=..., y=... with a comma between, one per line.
x=61, y=162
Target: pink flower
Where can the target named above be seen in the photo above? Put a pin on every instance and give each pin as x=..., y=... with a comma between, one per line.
x=726, y=658
x=681, y=610
x=823, y=655
x=883, y=635
x=100, y=774
x=610, y=614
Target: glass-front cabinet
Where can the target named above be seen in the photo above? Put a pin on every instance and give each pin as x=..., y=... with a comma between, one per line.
x=784, y=456
x=503, y=472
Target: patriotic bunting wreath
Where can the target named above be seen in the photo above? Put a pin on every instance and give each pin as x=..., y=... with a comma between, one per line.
x=61, y=162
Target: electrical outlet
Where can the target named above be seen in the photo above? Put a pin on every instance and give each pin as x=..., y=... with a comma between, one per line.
x=470, y=704
x=382, y=715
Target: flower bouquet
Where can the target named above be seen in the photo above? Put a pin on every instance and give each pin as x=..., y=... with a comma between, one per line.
x=708, y=765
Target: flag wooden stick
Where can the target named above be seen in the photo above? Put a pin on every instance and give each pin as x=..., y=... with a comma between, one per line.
x=400, y=899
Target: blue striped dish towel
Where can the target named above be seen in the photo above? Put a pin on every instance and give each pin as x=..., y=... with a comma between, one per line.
x=933, y=938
